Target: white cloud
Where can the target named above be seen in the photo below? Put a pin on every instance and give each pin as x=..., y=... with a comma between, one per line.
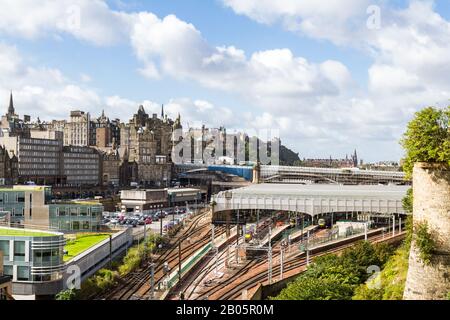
x=88, y=20
x=180, y=51
x=317, y=105
x=324, y=19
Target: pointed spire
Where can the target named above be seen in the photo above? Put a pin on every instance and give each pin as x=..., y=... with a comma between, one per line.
x=103, y=113
x=162, y=112
x=11, y=105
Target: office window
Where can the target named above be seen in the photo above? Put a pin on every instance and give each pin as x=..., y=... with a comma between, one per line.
x=4, y=246
x=8, y=270
x=23, y=273
x=37, y=257
x=75, y=225
x=19, y=250
x=21, y=198
x=74, y=212
x=86, y=225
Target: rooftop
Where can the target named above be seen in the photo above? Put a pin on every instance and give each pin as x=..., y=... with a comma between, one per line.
x=25, y=188
x=293, y=190
x=81, y=243
x=14, y=232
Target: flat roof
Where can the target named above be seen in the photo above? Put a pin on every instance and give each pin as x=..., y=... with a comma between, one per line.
x=272, y=189
x=25, y=188
x=174, y=190
x=17, y=232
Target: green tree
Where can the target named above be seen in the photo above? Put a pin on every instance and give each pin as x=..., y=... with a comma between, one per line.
x=424, y=242
x=427, y=138
x=407, y=201
x=332, y=277
x=310, y=288
x=68, y=294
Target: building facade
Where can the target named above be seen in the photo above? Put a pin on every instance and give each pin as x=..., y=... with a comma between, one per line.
x=81, y=166
x=143, y=200
x=8, y=167
x=34, y=207
x=77, y=131
x=148, y=141
x=62, y=152
x=38, y=159
x=5, y=282
x=33, y=259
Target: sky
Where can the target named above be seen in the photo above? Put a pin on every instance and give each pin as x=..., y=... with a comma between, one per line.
x=329, y=76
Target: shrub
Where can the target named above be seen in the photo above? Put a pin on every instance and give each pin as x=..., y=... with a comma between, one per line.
x=427, y=138
x=407, y=201
x=392, y=279
x=68, y=294
x=333, y=277
x=131, y=261
x=424, y=242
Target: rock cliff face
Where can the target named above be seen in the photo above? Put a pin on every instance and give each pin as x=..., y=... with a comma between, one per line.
x=432, y=205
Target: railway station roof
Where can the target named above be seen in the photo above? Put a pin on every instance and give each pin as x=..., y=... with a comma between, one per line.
x=314, y=199
x=271, y=189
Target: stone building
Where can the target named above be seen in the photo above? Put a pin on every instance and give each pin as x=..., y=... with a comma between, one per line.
x=11, y=123
x=431, y=205
x=77, y=131
x=104, y=132
x=148, y=141
x=111, y=168
x=8, y=167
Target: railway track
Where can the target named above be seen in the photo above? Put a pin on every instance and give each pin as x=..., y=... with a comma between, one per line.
x=224, y=290
x=134, y=285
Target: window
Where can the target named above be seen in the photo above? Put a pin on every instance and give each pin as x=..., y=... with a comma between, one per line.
x=4, y=246
x=21, y=198
x=8, y=270
x=37, y=257
x=19, y=250
x=74, y=212
x=83, y=211
x=86, y=225
x=75, y=225
x=23, y=273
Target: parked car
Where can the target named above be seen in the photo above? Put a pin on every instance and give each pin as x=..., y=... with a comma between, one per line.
x=148, y=221
x=161, y=214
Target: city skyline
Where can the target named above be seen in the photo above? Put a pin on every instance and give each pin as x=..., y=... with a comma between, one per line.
x=331, y=84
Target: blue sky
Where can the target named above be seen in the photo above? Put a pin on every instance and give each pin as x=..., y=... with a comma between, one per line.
x=327, y=86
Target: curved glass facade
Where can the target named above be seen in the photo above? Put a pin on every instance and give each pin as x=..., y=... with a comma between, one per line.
x=29, y=258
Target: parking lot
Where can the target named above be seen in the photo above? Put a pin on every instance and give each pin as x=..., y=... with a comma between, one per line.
x=152, y=222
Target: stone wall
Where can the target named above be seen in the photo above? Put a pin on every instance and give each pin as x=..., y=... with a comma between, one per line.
x=432, y=205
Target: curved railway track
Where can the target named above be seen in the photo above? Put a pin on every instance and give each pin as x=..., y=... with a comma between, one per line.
x=135, y=284
x=223, y=291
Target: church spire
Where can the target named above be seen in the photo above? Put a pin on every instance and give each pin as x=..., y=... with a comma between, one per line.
x=11, y=105
x=162, y=112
